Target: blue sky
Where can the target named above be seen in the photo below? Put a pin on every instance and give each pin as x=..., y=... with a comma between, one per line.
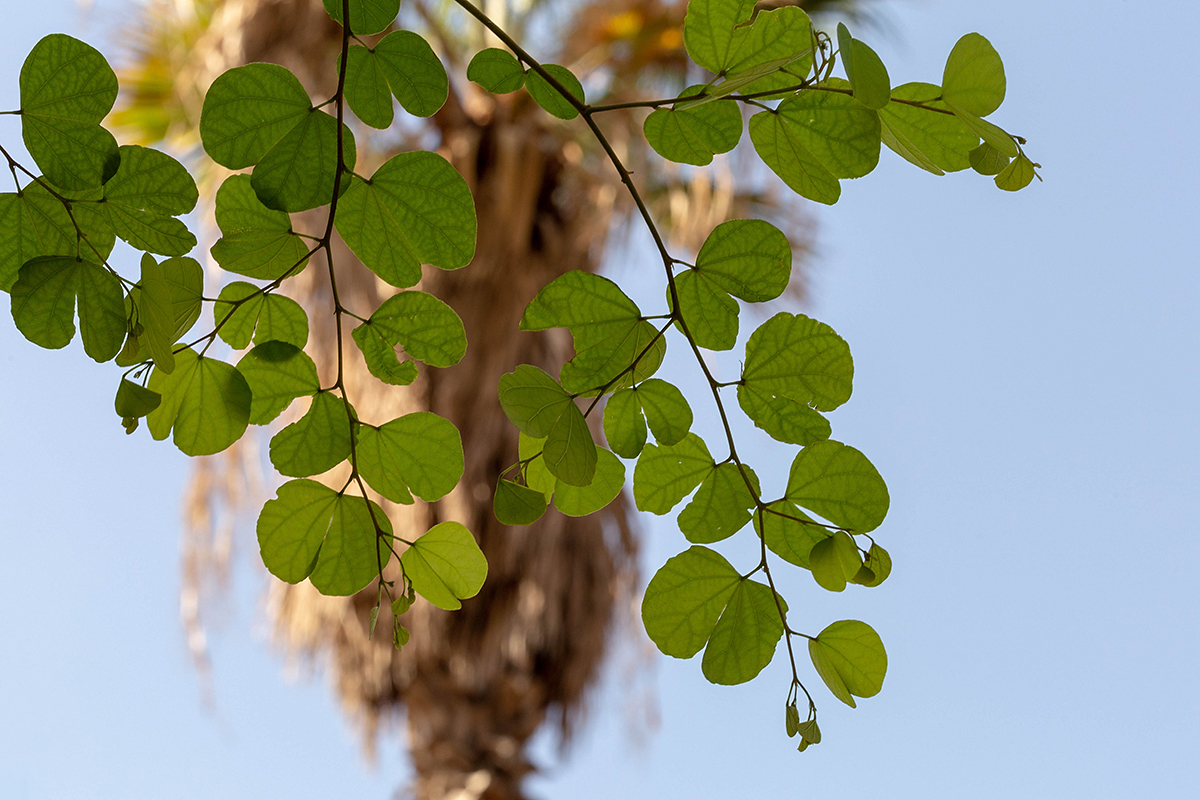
x=1027, y=380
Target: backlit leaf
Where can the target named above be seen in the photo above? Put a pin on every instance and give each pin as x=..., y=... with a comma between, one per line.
x=933, y=141
x=839, y=483
x=974, y=76
x=315, y=443
x=532, y=400
x=721, y=506
x=44, y=300
x=420, y=451
x=247, y=110
x=710, y=314
x=685, y=598
x=496, y=70
x=367, y=90
x=366, y=16
x=258, y=242
x=665, y=474
x=799, y=358
x=445, y=565
x=277, y=373
x=748, y=258
x=517, y=505
x=205, y=401
x=867, y=74
x=548, y=97
x=666, y=409
x=782, y=418
x=413, y=71
x=744, y=639
x=570, y=452
x=606, y=484
x=779, y=145
x=850, y=658
x=298, y=173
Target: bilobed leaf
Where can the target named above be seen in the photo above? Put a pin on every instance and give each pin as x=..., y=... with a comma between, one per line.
x=548, y=97
x=685, y=598
x=166, y=236
x=834, y=561
x=624, y=425
x=799, y=358
x=205, y=401
x=44, y=300
x=247, y=110
x=281, y=319
x=665, y=474
x=974, y=76
x=413, y=71
x=258, y=242
x=236, y=312
x=151, y=181
x=157, y=313
x=850, y=658
x=366, y=16
x=353, y=551
x=315, y=443
x=933, y=141
x=416, y=209
x=606, y=484
x=134, y=400
x=277, y=373
x=839, y=483
x=720, y=508
x=744, y=639
x=784, y=419
x=445, y=565
x=419, y=452
x=693, y=134
x=749, y=258
x=993, y=134
x=367, y=90
x=532, y=400
x=779, y=34
x=876, y=568
x=380, y=356
x=424, y=326
x=779, y=146
x=666, y=409
x=835, y=129
x=29, y=229
x=711, y=31
x=1017, y=175
x=710, y=314
x=517, y=505
x=537, y=477
x=298, y=172
x=786, y=535
x=987, y=160
x=496, y=70
x=868, y=76
x=570, y=452
x=185, y=283
x=67, y=88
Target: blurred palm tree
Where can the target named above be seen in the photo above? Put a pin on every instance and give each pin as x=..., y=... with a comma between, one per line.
x=472, y=686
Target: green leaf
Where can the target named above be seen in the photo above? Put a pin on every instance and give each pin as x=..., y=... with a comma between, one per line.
x=298, y=173
x=185, y=283
x=974, y=76
x=744, y=639
x=784, y=419
x=992, y=134
x=667, y=412
x=135, y=401
x=317, y=442
x=445, y=565
x=606, y=484
x=236, y=312
x=782, y=34
x=809, y=732
x=44, y=299
x=748, y=258
x=607, y=328
x=421, y=452
x=665, y=474
x=850, y=658
x=987, y=160
x=380, y=356
x=548, y=97
x=366, y=16
x=277, y=373
x=935, y=142
x=532, y=400
x=537, y=477
x=839, y=483
x=67, y=88
x=876, y=567
x=310, y=531
x=517, y=505
x=778, y=144
x=570, y=452
x=258, y=242
x=711, y=31
x=281, y=319
x=710, y=314
x=163, y=235
x=424, y=326
x=834, y=561
x=496, y=70
x=247, y=110
x=1017, y=175
x=720, y=508
x=801, y=359
x=32, y=224
x=835, y=129
x=157, y=313
x=685, y=598
x=205, y=401
x=624, y=425
x=367, y=91
x=693, y=134
x=416, y=209
x=868, y=76
x=414, y=72
x=786, y=535
x=151, y=181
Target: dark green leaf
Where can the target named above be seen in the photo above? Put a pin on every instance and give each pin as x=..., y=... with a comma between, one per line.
x=532, y=400
x=32, y=224
x=367, y=91
x=236, y=313
x=839, y=483
x=517, y=505
x=685, y=598
x=44, y=299
x=665, y=474
x=414, y=72
x=496, y=70
x=570, y=452
x=134, y=400
x=298, y=172
x=247, y=110
x=1017, y=175
x=151, y=181
x=156, y=313
x=277, y=373
x=317, y=442
x=366, y=16
x=445, y=565
x=548, y=97
x=744, y=639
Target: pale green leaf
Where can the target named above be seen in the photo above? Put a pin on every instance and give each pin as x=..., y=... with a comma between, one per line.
x=380, y=356
x=801, y=359
x=850, y=658
x=44, y=300
x=277, y=373
x=156, y=313
x=1017, y=175
x=666, y=409
x=777, y=34
x=721, y=506
x=779, y=146
x=624, y=425
x=579, y=501
x=445, y=565
x=135, y=401
x=987, y=160
x=929, y=139
x=839, y=483
x=744, y=639
x=205, y=401
x=424, y=326
x=784, y=419
x=299, y=172
x=868, y=76
x=835, y=130
x=693, y=134
x=834, y=561
x=748, y=258
x=281, y=319
x=570, y=452
x=247, y=110
x=258, y=242
x=421, y=452
x=236, y=313
x=711, y=31
x=685, y=598
x=710, y=314
x=315, y=443
x=993, y=134
x=973, y=79
x=532, y=400
x=789, y=532
x=354, y=552
x=665, y=474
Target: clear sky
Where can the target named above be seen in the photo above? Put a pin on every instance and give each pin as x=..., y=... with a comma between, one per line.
x=1027, y=381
